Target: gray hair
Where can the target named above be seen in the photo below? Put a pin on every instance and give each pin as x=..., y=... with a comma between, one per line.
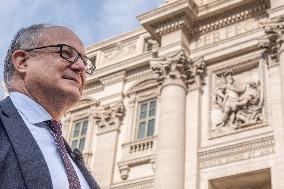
x=25, y=38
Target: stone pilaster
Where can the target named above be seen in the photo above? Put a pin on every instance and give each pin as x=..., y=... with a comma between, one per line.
x=175, y=75
x=193, y=131
x=274, y=47
x=108, y=121
x=130, y=117
x=273, y=54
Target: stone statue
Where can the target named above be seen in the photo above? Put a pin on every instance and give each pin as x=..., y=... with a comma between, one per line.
x=251, y=103
x=240, y=104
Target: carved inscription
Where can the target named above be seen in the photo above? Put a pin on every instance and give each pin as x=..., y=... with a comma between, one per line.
x=238, y=157
x=225, y=33
x=239, y=152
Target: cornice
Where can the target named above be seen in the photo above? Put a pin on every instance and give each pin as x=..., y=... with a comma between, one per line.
x=227, y=18
x=216, y=7
x=93, y=89
x=177, y=23
x=143, y=73
x=113, y=78
x=157, y=21
x=125, y=65
x=114, y=40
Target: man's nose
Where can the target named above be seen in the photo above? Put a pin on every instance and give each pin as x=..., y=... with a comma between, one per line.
x=79, y=65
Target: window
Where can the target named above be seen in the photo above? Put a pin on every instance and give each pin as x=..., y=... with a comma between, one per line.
x=150, y=44
x=146, y=118
x=79, y=134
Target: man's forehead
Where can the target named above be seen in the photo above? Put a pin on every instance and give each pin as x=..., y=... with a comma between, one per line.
x=59, y=34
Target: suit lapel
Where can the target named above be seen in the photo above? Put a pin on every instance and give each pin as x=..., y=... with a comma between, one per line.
x=30, y=157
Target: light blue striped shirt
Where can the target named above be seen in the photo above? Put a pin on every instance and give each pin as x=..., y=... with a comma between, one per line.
x=33, y=113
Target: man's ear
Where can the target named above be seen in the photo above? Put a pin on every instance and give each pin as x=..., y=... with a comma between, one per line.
x=19, y=59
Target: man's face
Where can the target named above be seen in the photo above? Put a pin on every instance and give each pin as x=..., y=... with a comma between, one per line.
x=49, y=75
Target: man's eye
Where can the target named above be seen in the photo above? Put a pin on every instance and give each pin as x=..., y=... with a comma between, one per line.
x=66, y=53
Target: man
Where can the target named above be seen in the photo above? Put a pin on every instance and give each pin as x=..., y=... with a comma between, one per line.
x=44, y=72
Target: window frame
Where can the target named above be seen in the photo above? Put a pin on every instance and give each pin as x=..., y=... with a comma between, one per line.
x=146, y=119
x=79, y=137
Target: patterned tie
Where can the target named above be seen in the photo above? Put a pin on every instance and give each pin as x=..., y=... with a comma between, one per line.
x=73, y=179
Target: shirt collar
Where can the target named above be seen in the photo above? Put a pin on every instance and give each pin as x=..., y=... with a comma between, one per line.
x=33, y=111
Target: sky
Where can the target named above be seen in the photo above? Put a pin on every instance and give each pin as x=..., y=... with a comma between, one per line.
x=92, y=20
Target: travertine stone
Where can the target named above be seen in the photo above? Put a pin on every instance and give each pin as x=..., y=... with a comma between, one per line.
x=187, y=150
x=108, y=121
x=193, y=117
x=171, y=142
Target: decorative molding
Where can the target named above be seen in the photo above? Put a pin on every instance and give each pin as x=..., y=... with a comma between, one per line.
x=225, y=19
x=238, y=67
x=84, y=103
x=242, y=151
x=178, y=68
x=109, y=118
x=141, y=183
x=271, y=43
x=136, y=153
x=142, y=85
x=93, y=89
x=173, y=25
x=137, y=75
x=119, y=51
x=113, y=78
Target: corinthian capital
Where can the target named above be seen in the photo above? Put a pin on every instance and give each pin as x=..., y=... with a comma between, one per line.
x=274, y=30
x=109, y=117
x=178, y=67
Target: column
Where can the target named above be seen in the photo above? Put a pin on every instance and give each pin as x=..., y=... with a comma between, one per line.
x=108, y=121
x=174, y=75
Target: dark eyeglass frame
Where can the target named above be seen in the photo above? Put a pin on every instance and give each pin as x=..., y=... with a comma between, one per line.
x=79, y=55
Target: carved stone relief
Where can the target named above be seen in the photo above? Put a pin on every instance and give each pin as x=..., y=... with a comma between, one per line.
x=178, y=67
x=119, y=51
x=271, y=43
x=237, y=99
x=240, y=102
x=109, y=118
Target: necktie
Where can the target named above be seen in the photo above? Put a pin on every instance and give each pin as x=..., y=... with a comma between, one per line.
x=72, y=177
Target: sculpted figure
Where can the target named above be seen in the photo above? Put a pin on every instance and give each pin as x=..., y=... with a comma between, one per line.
x=240, y=104
x=251, y=103
x=227, y=97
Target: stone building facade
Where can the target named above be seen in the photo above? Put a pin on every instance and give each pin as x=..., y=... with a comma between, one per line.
x=192, y=100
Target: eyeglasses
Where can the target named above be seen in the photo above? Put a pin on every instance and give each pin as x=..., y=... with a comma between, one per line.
x=71, y=55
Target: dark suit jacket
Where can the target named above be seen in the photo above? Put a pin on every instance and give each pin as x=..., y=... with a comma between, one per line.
x=22, y=165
